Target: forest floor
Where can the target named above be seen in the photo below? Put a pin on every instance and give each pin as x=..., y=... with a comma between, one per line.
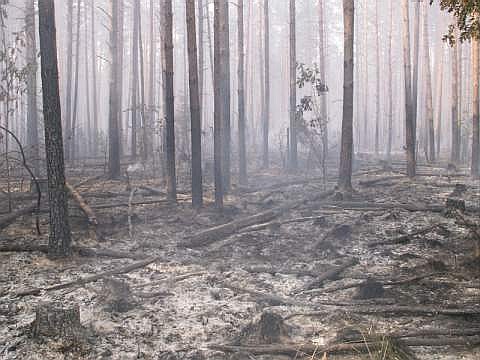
x=324, y=277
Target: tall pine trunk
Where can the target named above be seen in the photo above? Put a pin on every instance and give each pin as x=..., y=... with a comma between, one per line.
x=410, y=127
x=377, y=100
x=242, y=152
x=429, y=95
x=323, y=72
x=346, y=152
x=59, y=243
x=266, y=115
x=32, y=115
x=195, y=110
x=135, y=80
x=113, y=117
x=68, y=101
x=455, y=150
x=293, y=156
x=476, y=98
x=73, y=142
x=390, y=87
x=169, y=99
x=94, y=80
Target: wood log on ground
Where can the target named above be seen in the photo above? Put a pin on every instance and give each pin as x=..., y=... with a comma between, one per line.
x=87, y=210
x=310, y=349
x=220, y=232
x=54, y=321
x=328, y=275
x=407, y=238
x=90, y=279
x=82, y=251
x=367, y=183
x=9, y=219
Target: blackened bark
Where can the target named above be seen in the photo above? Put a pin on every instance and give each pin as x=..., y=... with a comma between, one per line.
x=345, y=171
x=242, y=152
x=218, y=128
x=196, y=130
x=113, y=117
x=59, y=244
x=94, y=80
x=135, y=73
x=169, y=105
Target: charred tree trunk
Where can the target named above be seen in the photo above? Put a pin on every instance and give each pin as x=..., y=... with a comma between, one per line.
x=476, y=94
x=201, y=57
x=266, y=115
x=219, y=106
x=135, y=73
x=94, y=81
x=323, y=72
x=439, y=86
x=293, y=156
x=32, y=114
x=410, y=127
x=390, y=88
x=345, y=171
x=119, y=81
x=195, y=110
x=73, y=142
x=429, y=95
x=68, y=101
x=242, y=152
x=113, y=118
x=169, y=105
x=455, y=150
x=377, y=100
x=59, y=244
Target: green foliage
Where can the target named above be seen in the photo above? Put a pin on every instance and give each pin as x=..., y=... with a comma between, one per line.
x=467, y=15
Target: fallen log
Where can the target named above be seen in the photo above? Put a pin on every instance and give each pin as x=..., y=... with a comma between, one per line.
x=87, y=210
x=407, y=238
x=367, y=346
x=367, y=183
x=328, y=275
x=90, y=279
x=9, y=219
x=80, y=250
x=220, y=232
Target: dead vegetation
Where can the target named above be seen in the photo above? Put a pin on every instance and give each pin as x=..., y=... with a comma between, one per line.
x=286, y=271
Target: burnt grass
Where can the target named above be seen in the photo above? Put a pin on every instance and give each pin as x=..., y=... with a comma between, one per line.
x=188, y=300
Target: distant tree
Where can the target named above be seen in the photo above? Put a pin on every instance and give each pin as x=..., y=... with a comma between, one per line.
x=266, y=58
x=476, y=103
x=135, y=76
x=429, y=95
x=346, y=152
x=113, y=117
x=242, y=152
x=59, y=244
x=195, y=108
x=293, y=158
x=169, y=99
x=68, y=93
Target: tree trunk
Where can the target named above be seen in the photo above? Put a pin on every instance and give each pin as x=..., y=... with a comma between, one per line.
x=59, y=244
x=225, y=86
x=242, y=152
x=475, y=125
x=390, y=87
x=415, y=68
x=32, y=113
x=323, y=72
x=201, y=57
x=439, y=86
x=169, y=105
x=345, y=171
x=366, y=93
x=135, y=81
x=113, y=118
x=219, y=106
x=120, y=59
x=377, y=100
x=293, y=156
x=88, y=132
x=429, y=96
x=195, y=110
x=68, y=101
x=266, y=115
x=151, y=86
x=455, y=150
x=410, y=127
x=94, y=80
x=73, y=142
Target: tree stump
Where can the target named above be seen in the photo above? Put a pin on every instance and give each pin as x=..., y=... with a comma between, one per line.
x=117, y=296
x=270, y=329
x=371, y=289
x=57, y=322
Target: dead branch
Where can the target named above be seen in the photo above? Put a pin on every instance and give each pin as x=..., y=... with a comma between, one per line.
x=407, y=238
x=87, y=210
x=90, y=279
x=9, y=219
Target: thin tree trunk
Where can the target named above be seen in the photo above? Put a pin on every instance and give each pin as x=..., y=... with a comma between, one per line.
x=455, y=150
x=415, y=69
x=366, y=96
x=135, y=81
x=120, y=60
x=32, y=115
x=113, y=118
x=409, y=102
x=169, y=105
x=201, y=57
x=219, y=105
x=475, y=122
x=225, y=81
x=241, y=97
x=377, y=100
x=151, y=86
x=429, y=95
x=195, y=110
x=145, y=124
x=345, y=171
x=68, y=101
x=390, y=87
x=59, y=244
x=94, y=80
x=266, y=117
x=293, y=156
x=439, y=86
x=73, y=143
x=87, y=86
x=323, y=72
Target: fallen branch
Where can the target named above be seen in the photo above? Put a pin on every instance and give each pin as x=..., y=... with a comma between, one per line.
x=90, y=279
x=328, y=275
x=407, y=238
x=372, y=182
x=364, y=346
x=87, y=210
x=9, y=219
